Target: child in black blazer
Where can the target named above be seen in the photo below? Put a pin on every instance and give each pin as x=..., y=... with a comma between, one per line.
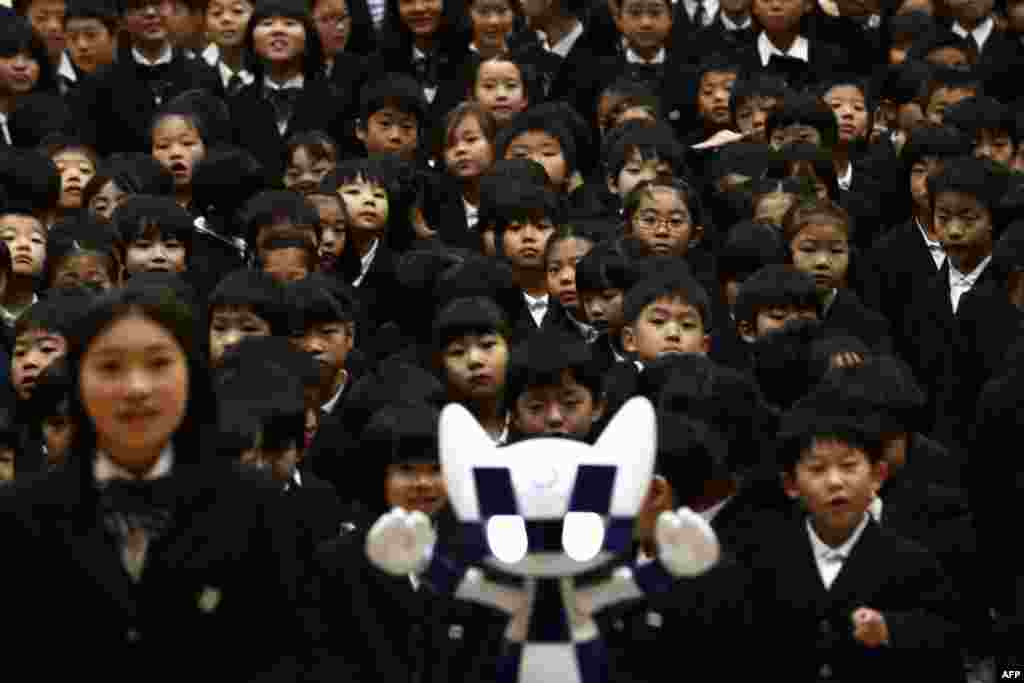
x=289, y=93
x=18, y=38
x=114, y=109
x=171, y=545
x=853, y=598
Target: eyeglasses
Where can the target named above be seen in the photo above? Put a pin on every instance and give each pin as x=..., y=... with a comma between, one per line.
x=649, y=222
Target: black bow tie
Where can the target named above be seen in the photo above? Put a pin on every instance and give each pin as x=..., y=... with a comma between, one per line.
x=147, y=505
x=155, y=71
x=794, y=70
x=283, y=101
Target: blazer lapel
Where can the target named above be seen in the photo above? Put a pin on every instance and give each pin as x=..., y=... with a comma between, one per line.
x=862, y=562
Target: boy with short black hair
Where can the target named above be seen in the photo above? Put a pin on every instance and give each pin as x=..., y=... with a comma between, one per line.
x=990, y=124
x=288, y=256
x=752, y=99
x=90, y=31
x=852, y=596
x=666, y=314
x=324, y=327
x=392, y=117
x=245, y=303
x=41, y=336
x=553, y=387
x=771, y=297
x=639, y=152
x=946, y=87
x=25, y=237
x=274, y=211
x=802, y=119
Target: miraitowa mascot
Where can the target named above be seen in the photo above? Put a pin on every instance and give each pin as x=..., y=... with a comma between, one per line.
x=546, y=509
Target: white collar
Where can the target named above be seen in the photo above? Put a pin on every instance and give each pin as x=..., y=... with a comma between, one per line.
x=293, y=82
x=4, y=130
x=875, y=509
x=211, y=55
x=66, y=68
x=297, y=477
x=418, y=54
x=9, y=317
x=730, y=25
x=472, y=213
x=105, y=469
x=846, y=179
x=710, y=7
x=800, y=49
x=980, y=33
x=823, y=551
x=365, y=263
x=538, y=306
x=633, y=58
x=328, y=407
x=970, y=278
x=165, y=57
x=562, y=47
x=934, y=246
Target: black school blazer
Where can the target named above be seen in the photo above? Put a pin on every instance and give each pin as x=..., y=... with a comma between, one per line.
x=114, y=109
x=321, y=106
x=217, y=599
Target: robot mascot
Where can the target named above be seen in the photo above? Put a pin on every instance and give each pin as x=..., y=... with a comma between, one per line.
x=547, y=510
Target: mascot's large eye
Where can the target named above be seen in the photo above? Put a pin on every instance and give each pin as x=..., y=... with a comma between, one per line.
x=582, y=535
x=506, y=535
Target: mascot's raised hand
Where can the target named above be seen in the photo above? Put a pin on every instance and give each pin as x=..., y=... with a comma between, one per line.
x=401, y=542
x=687, y=544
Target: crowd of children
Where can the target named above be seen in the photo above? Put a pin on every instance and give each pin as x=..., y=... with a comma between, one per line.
x=250, y=248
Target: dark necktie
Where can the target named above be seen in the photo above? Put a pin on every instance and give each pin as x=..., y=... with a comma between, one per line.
x=425, y=69
x=283, y=100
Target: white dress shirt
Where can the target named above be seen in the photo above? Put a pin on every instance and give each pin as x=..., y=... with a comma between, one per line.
x=934, y=246
x=4, y=129
x=417, y=55
x=165, y=57
x=365, y=262
x=562, y=47
x=538, y=307
x=960, y=284
x=633, y=58
x=105, y=469
x=66, y=69
x=710, y=9
x=875, y=509
x=731, y=25
x=328, y=408
x=980, y=33
x=472, y=214
x=830, y=560
x=211, y=55
x=846, y=179
x=800, y=49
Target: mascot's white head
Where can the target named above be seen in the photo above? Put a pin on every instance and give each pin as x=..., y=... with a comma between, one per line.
x=549, y=506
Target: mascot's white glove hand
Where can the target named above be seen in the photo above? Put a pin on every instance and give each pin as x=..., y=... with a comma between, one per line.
x=401, y=542
x=687, y=545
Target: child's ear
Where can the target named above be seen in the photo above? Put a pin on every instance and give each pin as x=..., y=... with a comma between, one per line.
x=789, y=486
x=706, y=345
x=746, y=330
x=659, y=495
x=628, y=339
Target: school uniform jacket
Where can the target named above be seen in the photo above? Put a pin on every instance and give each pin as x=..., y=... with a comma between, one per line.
x=897, y=265
x=216, y=601
x=794, y=612
x=847, y=315
x=114, y=109
x=377, y=627
x=824, y=59
x=318, y=107
x=715, y=38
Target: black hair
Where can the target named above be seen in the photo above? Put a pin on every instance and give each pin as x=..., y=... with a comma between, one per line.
x=252, y=289
x=17, y=37
x=675, y=285
x=882, y=387
x=854, y=81
x=102, y=10
x=55, y=313
x=39, y=115
x=518, y=200
x=775, y=285
x=372, y=171
x=310, y=302
x=312, y=58
x=397, y=90
x=30, y=179
x=748, y=86
x=51, y=394
x=975, y=114
x=291, y=240
x=207, y=113
x=83, y=236
x=602, y=268
x=944, y=77
x=533, y=85
x=138, y=173
x=568, y=231
x=939, y=38
x=944, y=142
x=649, y=142
x=749, y=246
x=275, y=208
x=690, y=196
x=318, y=144
x=903, y=83
x=140, y=215
x=986, y=181
x=813, y=419
x=1008, y=251
x=541, y=359
x=6, y=263
x=804, y=110
x=539, y=119
x=470, y=315
x=403, y=432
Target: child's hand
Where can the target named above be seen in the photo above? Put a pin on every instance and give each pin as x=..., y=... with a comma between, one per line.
x=869, y=627
x=722, y=137
x=846, y=359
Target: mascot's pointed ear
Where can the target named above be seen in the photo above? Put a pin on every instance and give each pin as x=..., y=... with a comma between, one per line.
x=463, y=444
x=630, y=441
